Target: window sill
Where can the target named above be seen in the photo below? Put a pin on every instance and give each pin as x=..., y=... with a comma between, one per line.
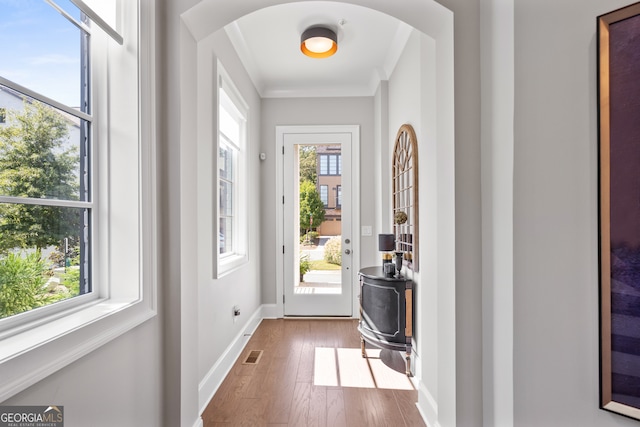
x=229, y=264
x=30, y=356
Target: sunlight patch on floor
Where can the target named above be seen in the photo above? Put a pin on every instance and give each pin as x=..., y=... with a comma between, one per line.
x=325, y=367
x=316, y=288
x=345, y=367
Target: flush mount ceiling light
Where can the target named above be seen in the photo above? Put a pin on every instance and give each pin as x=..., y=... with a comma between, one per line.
x=319, y=42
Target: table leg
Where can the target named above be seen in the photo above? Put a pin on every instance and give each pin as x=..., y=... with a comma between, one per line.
x=362, y=346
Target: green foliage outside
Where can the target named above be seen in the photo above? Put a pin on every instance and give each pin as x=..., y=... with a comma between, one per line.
x=22, y=283
x=309, y=238
x=71, y=280
x=35, y=163
x=321, y=264
x=305, y=266
x=310, y=206
x=307, y=161
x=333, y=250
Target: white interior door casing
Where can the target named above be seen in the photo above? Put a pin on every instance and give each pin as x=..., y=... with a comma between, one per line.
x=289, y=138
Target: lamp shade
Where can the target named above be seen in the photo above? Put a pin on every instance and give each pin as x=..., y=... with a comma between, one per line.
x=319, y=42
x=386, y=242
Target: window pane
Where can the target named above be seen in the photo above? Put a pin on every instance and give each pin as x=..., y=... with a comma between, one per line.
x=229, y=126
x=226, y=162
x=70, y=8
x=229, y=122
x=333, y=165
x=41, y=49
x=226, y=235
x=324, y=194
x=226, y=198
x=42, y=256
x=323, y=165
x=339, y=164
x=339, y=195
x=40, y=151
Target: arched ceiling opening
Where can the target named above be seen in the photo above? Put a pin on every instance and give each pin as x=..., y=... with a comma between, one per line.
x=266, y=36
x=268, y=43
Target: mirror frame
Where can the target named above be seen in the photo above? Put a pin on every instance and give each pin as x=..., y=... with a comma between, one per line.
x=405, y=195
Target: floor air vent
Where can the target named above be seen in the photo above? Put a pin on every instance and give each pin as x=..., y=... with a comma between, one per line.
x=253, y=358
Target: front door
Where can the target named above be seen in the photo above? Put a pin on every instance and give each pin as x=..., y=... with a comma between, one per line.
x=317, y=229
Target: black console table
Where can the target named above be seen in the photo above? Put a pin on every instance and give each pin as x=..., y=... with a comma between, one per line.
x=386, y=312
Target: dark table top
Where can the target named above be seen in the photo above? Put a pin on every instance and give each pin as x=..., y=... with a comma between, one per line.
x=377, y=273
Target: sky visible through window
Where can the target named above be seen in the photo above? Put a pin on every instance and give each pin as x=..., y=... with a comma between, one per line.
x=41, y=49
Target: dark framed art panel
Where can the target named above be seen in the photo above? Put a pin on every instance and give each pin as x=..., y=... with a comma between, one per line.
x=619, y=215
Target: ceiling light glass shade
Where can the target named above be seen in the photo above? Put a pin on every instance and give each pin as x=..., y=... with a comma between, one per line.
x=319, y=42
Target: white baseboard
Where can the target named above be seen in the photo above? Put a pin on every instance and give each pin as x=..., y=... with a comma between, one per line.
x=270, y=311
x=199, y=423
x=211, y=382
x=427, y=406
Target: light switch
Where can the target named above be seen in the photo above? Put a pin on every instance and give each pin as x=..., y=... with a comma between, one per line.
x=367, y=230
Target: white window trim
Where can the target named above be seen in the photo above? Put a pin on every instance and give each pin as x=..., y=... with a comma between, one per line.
x=32, y=354
x=227, y=263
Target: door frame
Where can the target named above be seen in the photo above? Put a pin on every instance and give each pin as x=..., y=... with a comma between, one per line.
x=354, y=130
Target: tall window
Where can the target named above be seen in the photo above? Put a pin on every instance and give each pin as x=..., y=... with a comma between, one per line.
x=46, y=202
x=232, y=130
x=339, y=196
x=324, y=195
x=78, y=257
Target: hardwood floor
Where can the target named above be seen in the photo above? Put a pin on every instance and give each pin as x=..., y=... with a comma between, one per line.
x=311, y=373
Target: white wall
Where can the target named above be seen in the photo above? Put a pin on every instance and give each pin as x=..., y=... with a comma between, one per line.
x=217, y=327
x=314, y=111
x=497, y=211
x=555, y=295
x=118, y=384
x=411, y=100
x=381, y=160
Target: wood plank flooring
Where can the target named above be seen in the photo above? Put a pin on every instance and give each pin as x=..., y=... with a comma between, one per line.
x=311, y=373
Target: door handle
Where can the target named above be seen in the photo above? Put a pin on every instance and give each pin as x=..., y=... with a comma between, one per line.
x=347, y=251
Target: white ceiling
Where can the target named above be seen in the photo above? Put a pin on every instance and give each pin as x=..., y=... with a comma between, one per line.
x=268, y=43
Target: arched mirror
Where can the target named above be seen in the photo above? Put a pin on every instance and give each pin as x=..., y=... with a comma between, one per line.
x=405, y=195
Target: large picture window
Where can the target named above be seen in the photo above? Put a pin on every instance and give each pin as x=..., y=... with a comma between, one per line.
x=46, y=202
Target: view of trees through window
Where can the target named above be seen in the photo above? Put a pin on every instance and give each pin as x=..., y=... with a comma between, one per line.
x=320, y=257
x=39, y=244
x=311, y=204
x=45, y=205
